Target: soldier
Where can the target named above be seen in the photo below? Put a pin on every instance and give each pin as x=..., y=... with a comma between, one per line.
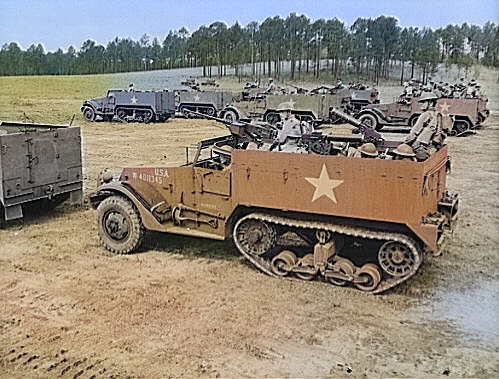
x=407, y=94
x=291, y=130
x=130, y=87
x=470, y=91
x=404, y=152
x=477, y=93
x=426, y=135
x=367, y=150
x=270, y=86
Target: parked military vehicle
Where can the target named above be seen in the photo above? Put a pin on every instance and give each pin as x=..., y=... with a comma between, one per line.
x=206, y=102
x=464, y=114
x=312, y=108
x=344, y=220
x=38, y=163
x=131, y=106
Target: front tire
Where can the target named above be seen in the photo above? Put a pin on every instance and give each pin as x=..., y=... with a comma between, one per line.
x=120, y=227
x=370, y=120
x=231, y=116
x=88, y=114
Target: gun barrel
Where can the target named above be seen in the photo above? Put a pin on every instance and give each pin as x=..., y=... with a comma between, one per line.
x=207, y=116
x=344, y=116
x=370, y=135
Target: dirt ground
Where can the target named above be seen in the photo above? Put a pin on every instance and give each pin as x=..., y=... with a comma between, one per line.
x=194, y=308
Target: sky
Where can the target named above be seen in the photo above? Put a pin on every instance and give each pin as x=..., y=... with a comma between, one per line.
x=62, y=23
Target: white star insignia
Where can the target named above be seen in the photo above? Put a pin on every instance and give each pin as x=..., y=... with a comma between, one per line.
x=291, y=102
x=134, y=100
x=444, y=107
x=196, y=98
x=323, y=185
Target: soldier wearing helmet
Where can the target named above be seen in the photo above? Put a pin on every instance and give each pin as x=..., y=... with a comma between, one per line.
x=404, y=152
x=367, y=150
x=426, y=135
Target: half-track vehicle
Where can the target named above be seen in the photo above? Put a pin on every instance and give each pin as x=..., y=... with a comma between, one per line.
x=205, y=102
x=465, y=114
x=38, y=163
x=313, y=108
x=131, y=106
x=330, y=217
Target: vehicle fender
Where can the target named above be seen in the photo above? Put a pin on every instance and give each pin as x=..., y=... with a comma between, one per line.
x=239, y=112
x=379, y=114
x=90, y=103
x=117, y=188
x=372, y=111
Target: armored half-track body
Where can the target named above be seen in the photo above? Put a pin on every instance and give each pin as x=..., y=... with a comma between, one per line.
x=204, y=102
x=38, y=162
x=340, y=219
x=131, y=106
x=312, y=107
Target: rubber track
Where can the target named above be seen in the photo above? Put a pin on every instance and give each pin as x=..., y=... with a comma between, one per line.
x=365, y=233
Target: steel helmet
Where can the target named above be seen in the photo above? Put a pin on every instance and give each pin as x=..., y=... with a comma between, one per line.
x=404, y=150
x=369, y=149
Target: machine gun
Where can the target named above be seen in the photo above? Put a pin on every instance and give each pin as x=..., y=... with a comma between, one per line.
x=319, y=143
x=242, y=131
x=369, y=134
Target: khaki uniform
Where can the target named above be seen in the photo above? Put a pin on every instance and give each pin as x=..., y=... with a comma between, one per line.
x=426, y=134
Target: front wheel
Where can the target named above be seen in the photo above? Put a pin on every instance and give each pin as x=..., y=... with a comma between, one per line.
x=89, y=114
x=230, y=116
x=119, y=224
x=370, y=120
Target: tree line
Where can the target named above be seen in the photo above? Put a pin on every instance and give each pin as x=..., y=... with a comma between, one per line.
x=367, y=49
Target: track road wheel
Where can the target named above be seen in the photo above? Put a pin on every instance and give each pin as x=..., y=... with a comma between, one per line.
x=122, y=114
x=254, y=236
x=368, y=277
x=396, y=258
x=89, y=114
x=148, y=116
x=344, y=266
x=120, y=227
x=306, y=263
x=283, y=262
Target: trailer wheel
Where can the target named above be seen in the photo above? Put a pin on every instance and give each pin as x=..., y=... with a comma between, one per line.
x=89, y=114
x=370, y=120
x=119, y=224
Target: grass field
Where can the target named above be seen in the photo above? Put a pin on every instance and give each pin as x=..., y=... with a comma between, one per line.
x=48, y=99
